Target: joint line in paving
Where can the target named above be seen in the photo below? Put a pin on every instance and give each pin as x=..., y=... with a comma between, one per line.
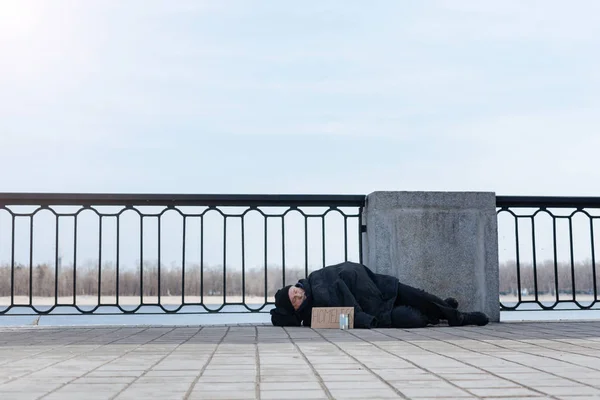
x=257, y=361
x=524, y=365
x=197, y=378
x=157, y=362
x=466, y=363
x=542, y=346
x=399, y=393
x=314, y=371
x=103, y=364
x=55, y=348
x=530, y=352
x=66, y=359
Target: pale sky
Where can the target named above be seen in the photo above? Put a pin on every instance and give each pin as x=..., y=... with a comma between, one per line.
x=300, y=97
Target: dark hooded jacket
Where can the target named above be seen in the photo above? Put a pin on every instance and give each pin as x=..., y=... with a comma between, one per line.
x=345, y=285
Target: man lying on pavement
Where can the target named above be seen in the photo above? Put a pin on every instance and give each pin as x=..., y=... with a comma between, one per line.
x=379, y=301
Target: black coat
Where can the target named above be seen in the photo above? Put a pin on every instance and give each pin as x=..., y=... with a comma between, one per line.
x=345, y=285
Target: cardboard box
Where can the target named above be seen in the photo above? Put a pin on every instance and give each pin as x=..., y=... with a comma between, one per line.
x=329, y=317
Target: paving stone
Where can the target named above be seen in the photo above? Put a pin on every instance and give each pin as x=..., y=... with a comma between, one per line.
x=227, y=372
x=288, y=394
x=288, y=378
x=218, y=395
x=449, y=398
x=570, y=390
x=370, y=394
x=590, y=382
x=267, y=386
x=78, y=396
x=569, y=397
x=173, y=374
x=503, y=392
x=138, y=394
x=484, y=383
x=539, y=397
x=349, y=378
x=434, y=392
x=357, y=385
x=439, y=384
x=106, y=380
x=211, y=379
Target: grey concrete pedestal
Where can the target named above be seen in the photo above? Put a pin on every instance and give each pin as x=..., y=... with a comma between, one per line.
x=443, y=242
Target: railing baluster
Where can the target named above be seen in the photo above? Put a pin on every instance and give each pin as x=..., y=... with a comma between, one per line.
x=594, y=276
x=283, y=250
x=225, y=259
x=159, y=218
x=266, y=256
x=118, y=259
x=555, y=259
x=12, y=262
x=534, y=249
x=141, y=259
x=183, y=260
x=75, y=260
x=360, y=233
x=202, y=260
x=100, y=260
x=323, y=238
x=518, y=259
x=305, y=246
x=243, y=261
x=30, y=260
x=572, y=252
x=56, y=262
x=345, y=238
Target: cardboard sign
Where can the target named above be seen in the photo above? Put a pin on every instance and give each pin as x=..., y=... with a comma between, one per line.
x=329, y=317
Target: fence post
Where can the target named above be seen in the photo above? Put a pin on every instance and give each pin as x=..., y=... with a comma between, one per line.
x=443, y=242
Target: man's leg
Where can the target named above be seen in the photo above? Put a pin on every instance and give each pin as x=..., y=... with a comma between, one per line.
x=408, y=317
x=435, y=308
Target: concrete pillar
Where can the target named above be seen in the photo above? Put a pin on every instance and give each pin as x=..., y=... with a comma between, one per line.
x=443, y=242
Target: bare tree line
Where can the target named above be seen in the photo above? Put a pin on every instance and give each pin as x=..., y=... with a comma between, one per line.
x=211, y=281
x=549, y=277
x=85, y=280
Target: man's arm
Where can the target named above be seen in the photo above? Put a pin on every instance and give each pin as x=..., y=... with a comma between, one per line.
x=347, y=299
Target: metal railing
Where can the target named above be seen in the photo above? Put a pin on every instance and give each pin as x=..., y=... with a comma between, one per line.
x=135, y=253
x=547, y=251
x=153, y=254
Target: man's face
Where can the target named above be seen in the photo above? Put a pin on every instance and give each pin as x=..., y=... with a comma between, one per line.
x=297, y=296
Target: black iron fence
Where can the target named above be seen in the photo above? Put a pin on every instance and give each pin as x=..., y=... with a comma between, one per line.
x=547, y=248
x=114, y=254
x=120, y=254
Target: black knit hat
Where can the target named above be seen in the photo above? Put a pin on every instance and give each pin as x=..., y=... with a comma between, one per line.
x=282, y=299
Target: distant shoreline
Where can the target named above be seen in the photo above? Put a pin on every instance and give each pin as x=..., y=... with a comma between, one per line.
x=130, y=300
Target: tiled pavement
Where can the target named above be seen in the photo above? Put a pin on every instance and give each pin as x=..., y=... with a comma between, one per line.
x=508, y=360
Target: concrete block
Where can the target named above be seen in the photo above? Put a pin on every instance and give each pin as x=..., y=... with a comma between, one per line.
x=443, y=242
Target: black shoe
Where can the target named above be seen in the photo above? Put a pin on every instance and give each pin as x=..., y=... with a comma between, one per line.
x=452, y=302
x=468, y=318
x=475, y=318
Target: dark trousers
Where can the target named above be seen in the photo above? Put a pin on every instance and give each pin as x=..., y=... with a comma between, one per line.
x=415, y=308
